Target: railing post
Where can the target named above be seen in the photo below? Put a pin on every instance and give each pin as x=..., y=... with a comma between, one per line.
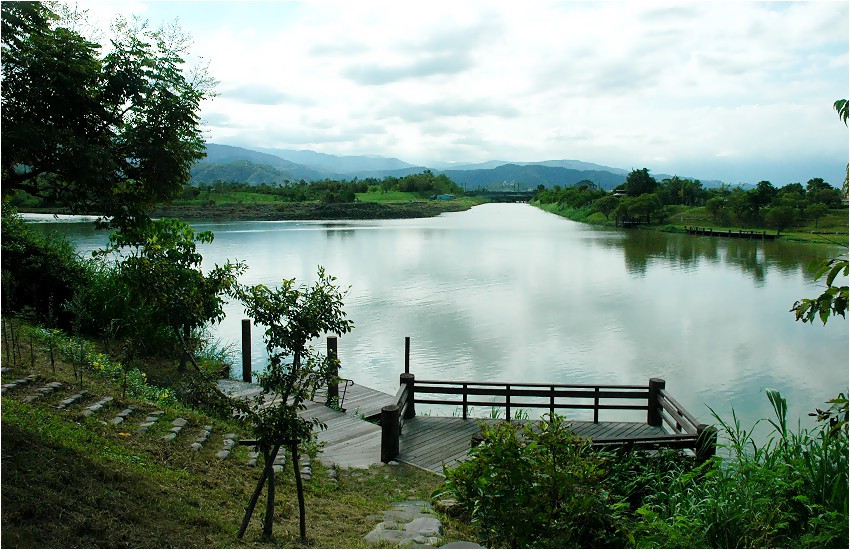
x=407, y=355
x=333, y=383
x=552, y=403
x=706, y=442
x=508, y=402
x=464, y=402
x=596, y=405
x=653, y=412
x=408, y=379
x=246, y=350
x=389, y=433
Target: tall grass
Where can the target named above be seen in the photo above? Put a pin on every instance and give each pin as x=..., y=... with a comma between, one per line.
x=791, y=491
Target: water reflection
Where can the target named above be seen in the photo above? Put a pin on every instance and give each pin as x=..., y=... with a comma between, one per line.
x=507, y=292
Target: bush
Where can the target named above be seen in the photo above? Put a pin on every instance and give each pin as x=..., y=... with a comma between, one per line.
x=41, y=273
x=536, y=486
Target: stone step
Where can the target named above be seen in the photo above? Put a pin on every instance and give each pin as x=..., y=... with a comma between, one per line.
x=17, y=383
x=68, y=401
x=92, y=409
x=177, y=426
x=122, y=416
x=47, y=389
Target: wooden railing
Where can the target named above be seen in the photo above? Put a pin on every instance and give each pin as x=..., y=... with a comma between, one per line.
x=653, y=398
x=512, y=395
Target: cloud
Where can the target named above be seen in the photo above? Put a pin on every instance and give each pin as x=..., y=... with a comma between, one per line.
x=260, y=94
x=424, y=66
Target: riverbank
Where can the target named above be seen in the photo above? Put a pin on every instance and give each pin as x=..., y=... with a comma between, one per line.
x=280, y=211
x=832, y=229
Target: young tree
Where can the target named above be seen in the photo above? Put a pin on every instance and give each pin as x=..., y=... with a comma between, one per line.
x=164, y=276
x=293, y=316
x=111, y=133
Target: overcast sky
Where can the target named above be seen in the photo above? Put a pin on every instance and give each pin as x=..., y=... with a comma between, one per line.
x=733, y=91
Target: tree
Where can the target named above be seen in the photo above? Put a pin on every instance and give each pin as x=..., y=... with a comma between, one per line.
x=780, y=217
x=639, y=182
x=109, y=133
x=162, y=269
x=292, y=316
x=816, y=211
x=715, y=206
x=606, y=204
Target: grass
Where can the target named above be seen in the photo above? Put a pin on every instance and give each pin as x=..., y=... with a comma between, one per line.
x=73, y=481
x=831, y=228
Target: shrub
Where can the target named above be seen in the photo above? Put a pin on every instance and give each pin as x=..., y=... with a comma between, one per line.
x=536, y=486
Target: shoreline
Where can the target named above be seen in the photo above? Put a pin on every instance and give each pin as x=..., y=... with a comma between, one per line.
x=828, y=238
x=297, y=211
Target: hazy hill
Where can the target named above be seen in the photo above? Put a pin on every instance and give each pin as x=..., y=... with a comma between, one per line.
x=242, y=171
x=530, y=176
x=337, y=164
x=226, y=154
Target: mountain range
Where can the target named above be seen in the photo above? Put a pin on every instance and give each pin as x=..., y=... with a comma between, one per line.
x=264, y=165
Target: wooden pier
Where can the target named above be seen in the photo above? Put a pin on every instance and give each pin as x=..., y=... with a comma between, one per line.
x=740, y=234
x=375, y=427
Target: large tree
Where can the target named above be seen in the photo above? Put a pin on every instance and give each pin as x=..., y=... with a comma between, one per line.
x=108, y=132
x=639, y=182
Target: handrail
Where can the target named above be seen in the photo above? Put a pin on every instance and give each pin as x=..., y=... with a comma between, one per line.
x=683, y=419
x=509, y=390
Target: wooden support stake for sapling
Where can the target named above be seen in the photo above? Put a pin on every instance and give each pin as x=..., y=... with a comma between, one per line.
x=6, y=342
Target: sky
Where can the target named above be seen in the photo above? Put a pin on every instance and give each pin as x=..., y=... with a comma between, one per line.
x=734, y=91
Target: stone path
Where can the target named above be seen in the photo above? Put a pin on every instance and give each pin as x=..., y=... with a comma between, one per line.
x=410, y=524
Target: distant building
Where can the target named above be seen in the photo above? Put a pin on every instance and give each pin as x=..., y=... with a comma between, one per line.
x=620, y=193
x=445, y=197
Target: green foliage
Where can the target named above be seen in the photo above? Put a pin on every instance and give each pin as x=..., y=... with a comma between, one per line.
x=832, y=301
x=163, y=276
x=111, y=133
x=639, y=182
x=790, y=491
x=133, y=380
x=536, y=487
x=39, y=272
x=578, y=196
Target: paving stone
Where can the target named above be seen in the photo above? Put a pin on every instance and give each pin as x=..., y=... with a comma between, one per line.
x=179, y=422
x=169, y=436
x=231, y=436
x=176, y=429
x=278, y=468
x=208, y=428
x=151, y=418
x=196, y=446
x=252, y=462
x=222, y=454
x=462, y=544
x=117, y=420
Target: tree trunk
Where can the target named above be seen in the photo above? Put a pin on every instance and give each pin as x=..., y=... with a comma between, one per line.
x=302, y=512
x=268, y=524
x=267, y=466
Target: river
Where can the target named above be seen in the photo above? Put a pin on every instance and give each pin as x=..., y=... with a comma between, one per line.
x=507, y=292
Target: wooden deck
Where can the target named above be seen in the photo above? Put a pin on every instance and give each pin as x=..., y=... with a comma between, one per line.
x=348, y=440
x=360, y=400
x=431, y=442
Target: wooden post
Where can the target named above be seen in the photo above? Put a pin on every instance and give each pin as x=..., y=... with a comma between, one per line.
x=706, y=442
x=333, y=383
x=246, y=350
x=653, y=412
x=409, y=380
x=552, y=403
x=508, y=402
x=389, y=433
x=596, y=405
x=407, y=355
x=464, y=401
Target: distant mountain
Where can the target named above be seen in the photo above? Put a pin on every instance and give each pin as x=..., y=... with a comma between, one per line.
x=530, y=176
x=241, y=171
x=337, y=164
x=571, y=164
x=225, y=154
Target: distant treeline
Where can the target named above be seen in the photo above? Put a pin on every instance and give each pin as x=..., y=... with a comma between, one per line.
x=423, y=184
x=643, y=199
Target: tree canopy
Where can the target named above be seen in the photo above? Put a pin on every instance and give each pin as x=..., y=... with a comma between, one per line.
x=103, y=132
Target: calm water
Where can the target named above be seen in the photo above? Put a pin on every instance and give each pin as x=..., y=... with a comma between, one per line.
x=507, y=292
